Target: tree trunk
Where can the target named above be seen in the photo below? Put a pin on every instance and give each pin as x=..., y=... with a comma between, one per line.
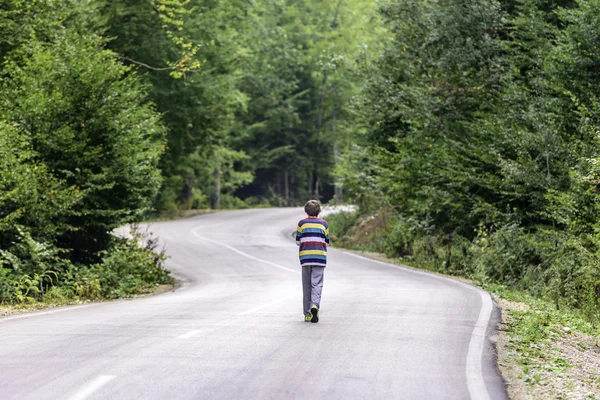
x=186, y=194
x=286, y=186
x=316, y=186
x=322, y=103
x=337, y=189
x=279, y=187
x=216, y=200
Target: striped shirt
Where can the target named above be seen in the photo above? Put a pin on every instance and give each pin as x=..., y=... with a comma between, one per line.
x=312, y=236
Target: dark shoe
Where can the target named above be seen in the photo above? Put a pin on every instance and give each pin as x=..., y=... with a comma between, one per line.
x=315, y=314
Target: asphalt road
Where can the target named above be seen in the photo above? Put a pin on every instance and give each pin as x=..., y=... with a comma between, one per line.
x=235, y=329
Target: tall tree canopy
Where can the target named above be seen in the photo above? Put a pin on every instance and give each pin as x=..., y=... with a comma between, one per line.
x=472, y=123
x=481, y=121
x=80, y=142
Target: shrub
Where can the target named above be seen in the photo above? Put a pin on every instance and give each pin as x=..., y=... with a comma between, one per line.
x=29, y=269
x=505, y=256
x=89, y=122
x=340, y=223
x=128, y=268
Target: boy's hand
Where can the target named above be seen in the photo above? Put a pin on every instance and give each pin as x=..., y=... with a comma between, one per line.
x=298, y=235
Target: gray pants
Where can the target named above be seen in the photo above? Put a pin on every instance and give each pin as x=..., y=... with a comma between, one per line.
x=312, y=285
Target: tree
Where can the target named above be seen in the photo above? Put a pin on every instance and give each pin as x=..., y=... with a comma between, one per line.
x=198, y=102
x=90, y=126
x=300, y=92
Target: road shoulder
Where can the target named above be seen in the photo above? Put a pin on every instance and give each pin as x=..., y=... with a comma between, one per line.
x=541, y=353
x=545, y=353
x=8, y=310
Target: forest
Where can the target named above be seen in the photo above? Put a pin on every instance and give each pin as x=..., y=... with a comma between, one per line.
x=112, y=112
x=471, y=125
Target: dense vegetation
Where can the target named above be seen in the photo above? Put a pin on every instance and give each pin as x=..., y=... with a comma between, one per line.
x=79, y=149
x=472, y=126
x=114, y=110
x=254, y=95
x=481, y=143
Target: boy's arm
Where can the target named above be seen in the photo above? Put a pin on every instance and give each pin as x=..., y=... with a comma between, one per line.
x=298, y=235
x=326, y=233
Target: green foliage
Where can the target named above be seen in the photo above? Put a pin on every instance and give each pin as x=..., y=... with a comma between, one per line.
x=79, y=150
x=126, y=270
x=466, y=130
x=29, y=269
x=268, y=84
x=480, y=132
x=197, y=95
x=359, y=177
x=340, y=224
x=30, y=196
x=300, y=90
x=86, y=121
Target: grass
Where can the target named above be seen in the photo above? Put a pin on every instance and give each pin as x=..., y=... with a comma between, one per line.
x=11, y=309
x=543, y=317
x=552, y=350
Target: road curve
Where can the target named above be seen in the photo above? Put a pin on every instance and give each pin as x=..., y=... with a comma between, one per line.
x=235, y=328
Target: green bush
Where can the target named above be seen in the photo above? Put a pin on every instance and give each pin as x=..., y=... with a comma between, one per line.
x=79, y=152
x=29, y=268
x=133, y=265
x=32, y=199
x=400, y=237
x=129, y=268
x=505, y=256
x=340, y=223
x=557, y=265
x=86, y=117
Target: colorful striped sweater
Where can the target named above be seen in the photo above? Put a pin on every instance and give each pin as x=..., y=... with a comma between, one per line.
x=312, y=236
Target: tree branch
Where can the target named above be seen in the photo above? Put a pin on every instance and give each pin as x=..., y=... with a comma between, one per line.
x=144, y=65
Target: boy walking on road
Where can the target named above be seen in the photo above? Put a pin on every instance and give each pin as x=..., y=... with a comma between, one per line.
x=312, y=236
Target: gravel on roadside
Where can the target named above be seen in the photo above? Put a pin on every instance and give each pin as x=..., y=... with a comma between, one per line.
x=567, y=368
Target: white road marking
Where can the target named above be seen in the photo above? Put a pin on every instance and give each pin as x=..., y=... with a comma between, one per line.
x=250, y=311
x=475, y=381
x=250, y=325
x=474, y=371
x=36, y=314
x=91, y=387
x=242, y=253
x=244, y=236
x=396, y=266
x=188, y=335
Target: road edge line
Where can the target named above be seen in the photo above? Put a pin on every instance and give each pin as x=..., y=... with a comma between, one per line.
x=89, y=389
x=474, y=368
x=193, y=231
x=46, y=312
x=476, y=385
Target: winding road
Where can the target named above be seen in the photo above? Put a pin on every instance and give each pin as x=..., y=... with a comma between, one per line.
x=234, y=329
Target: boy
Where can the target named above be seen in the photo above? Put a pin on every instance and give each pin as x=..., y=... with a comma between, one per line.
x=312, y=236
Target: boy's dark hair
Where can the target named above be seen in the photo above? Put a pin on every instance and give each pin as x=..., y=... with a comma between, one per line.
x=312, y=208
